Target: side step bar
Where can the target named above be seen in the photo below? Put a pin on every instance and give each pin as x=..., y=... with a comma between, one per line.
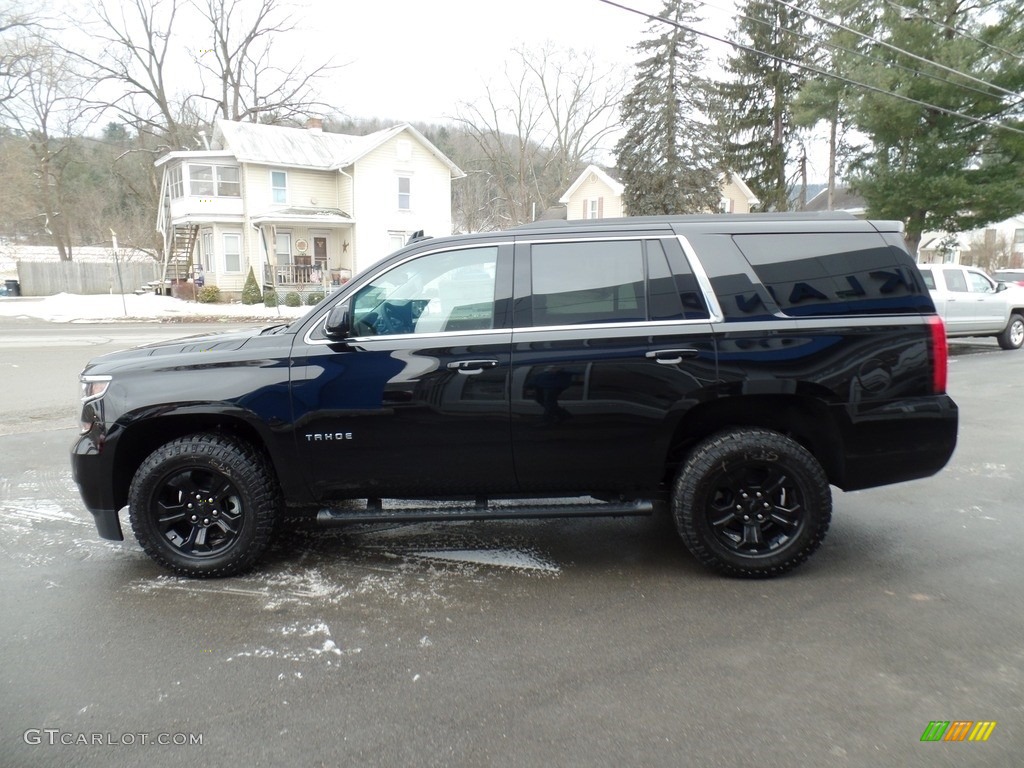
x=375, y=512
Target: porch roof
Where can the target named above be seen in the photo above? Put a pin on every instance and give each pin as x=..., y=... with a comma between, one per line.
x=312, y=216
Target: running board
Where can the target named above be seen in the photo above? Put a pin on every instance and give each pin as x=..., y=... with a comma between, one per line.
x=375, y=512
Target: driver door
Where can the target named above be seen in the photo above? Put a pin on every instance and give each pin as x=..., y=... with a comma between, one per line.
x=416, y=403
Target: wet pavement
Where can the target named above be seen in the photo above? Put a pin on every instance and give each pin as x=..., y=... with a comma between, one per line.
x=578, y=642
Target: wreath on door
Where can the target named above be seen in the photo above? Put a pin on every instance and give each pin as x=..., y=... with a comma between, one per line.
x=301, y=245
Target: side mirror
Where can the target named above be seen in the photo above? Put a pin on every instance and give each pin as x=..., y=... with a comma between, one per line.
x=338, y=325
x=1001, y=287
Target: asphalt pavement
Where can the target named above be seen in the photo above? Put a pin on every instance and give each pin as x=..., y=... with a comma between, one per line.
x=569, y=643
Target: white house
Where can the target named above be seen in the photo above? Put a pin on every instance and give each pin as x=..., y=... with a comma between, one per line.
x=1000, y=244
x=596, y=194
x=302, y=207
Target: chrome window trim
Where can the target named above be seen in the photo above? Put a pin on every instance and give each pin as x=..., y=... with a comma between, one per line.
x=703, y=280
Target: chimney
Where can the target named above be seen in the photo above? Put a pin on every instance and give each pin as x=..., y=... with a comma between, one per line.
x=314, y=124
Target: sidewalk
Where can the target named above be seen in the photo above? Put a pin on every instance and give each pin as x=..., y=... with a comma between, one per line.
x=73, y=308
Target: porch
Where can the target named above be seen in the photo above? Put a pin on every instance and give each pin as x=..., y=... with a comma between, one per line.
x=303, y=277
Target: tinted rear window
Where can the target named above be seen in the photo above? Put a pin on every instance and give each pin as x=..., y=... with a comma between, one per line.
x=834, y=273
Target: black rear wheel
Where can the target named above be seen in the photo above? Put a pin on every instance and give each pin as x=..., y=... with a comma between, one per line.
x=204, y=505
x=751, y=502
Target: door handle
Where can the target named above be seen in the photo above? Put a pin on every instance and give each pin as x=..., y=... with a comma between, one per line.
x=671, y=356
x=470, y=367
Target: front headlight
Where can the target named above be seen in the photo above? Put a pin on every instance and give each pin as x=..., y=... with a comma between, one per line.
x=93, y=387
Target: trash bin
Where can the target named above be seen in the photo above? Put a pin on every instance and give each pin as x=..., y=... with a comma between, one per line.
x=12, y=287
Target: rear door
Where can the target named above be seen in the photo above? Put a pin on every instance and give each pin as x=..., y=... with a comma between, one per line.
x=611, y=342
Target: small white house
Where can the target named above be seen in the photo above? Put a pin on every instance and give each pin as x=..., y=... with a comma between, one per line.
x=1000, y=244
x=597, y=194
x=302, y=207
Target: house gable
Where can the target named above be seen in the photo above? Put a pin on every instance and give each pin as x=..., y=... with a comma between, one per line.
x=594, y=194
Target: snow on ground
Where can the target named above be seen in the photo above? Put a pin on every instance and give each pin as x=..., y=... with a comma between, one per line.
x=73, y=308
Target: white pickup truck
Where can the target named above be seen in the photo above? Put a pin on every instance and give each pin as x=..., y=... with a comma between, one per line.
x=973, y=304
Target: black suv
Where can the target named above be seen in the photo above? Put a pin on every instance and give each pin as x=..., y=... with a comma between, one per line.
x=732, y=366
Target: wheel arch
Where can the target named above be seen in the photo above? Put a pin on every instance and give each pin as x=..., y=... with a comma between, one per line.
x=144, y=435
x=807, y=420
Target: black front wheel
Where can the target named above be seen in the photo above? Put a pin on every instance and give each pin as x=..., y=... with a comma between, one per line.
x=204, y=505
x=752, y=503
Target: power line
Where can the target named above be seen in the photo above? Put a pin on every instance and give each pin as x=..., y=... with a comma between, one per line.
x=943, y=67
x=956, y=30
x=816, y=70
x=862, y=54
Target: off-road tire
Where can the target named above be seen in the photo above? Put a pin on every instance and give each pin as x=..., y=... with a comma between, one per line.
x=204, y=505
x=751, y=503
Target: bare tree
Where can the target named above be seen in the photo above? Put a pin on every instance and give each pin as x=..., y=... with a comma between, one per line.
x=990, y=249
x=46, y=113
x=15, y=22
x=138, y=45
x=249, y=86
x=539, y=126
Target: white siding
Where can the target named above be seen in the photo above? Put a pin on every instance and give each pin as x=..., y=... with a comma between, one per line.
x=304, y=187
x=375, y=207
x=593, y=188
x=735, y=196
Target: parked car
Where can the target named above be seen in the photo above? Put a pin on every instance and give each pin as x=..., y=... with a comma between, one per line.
x=1010, y=276
x=973, y=304
x=732, y=366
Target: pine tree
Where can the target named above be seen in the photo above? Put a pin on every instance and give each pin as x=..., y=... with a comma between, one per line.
x=754, y=105
x=927, y=164
x=251, y=293
x=668, y=158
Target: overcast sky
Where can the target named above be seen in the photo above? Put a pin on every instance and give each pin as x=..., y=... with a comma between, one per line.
x=416, y=60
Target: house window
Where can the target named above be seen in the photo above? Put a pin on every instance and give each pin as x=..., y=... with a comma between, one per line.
x=279, y=187
x=213, y=180
x=396, y=240
x=593, y=209
x=404, y=193
x=283, y=248
x=207, y=249
x=227, y=181
x=1018, y=239
x=726, y=206
x=200, y=180
x=232, y=253
x=175, y=183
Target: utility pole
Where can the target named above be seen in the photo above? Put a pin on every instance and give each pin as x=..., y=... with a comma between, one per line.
x=117, y=266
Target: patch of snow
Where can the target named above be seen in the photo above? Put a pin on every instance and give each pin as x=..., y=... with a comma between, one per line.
x=500, y=558
x=70, y=308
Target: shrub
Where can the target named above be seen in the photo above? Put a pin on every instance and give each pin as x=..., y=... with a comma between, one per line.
x=251, y=293
x=269, y=299
x=208, y=294
x=314, y=298
x=292, y=299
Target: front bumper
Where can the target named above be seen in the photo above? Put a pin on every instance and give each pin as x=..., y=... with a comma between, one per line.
x=94, y=480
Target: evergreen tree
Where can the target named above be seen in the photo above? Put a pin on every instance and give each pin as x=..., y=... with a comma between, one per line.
x=753, y=105
x=926, y=167
x=251, y=293
x=668, y=158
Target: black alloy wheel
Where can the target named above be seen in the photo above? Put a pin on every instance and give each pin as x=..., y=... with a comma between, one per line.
x=752, y=502
x=204, y=505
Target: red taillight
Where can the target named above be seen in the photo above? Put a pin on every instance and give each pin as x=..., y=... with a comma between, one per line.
x=940, y=354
